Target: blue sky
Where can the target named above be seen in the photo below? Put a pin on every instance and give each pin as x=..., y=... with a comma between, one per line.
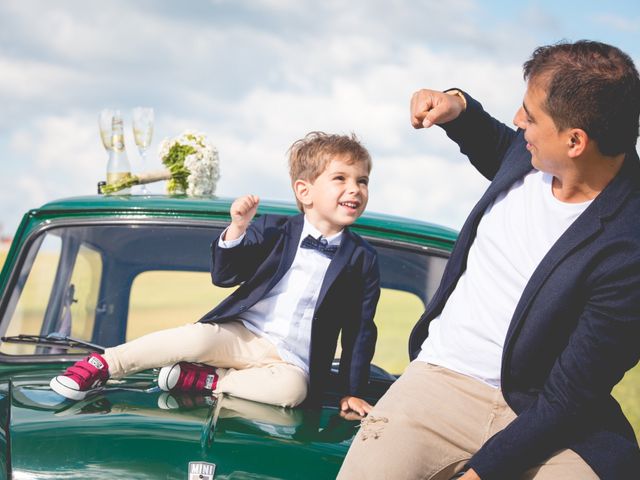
x=255, y=75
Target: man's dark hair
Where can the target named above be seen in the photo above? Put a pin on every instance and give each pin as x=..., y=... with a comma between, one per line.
x=592, y=86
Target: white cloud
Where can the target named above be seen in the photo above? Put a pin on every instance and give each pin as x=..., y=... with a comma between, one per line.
x=618, y=22
x=425, y=187
x=29, y=188
x=255, y=76
x=22, y=80
x=60, y=156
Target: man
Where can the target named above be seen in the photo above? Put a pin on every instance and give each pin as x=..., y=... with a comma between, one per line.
x=538, y=313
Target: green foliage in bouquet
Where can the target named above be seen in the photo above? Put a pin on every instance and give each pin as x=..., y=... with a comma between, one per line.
x=174, y=161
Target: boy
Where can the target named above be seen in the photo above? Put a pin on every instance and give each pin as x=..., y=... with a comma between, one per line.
x=303, y=280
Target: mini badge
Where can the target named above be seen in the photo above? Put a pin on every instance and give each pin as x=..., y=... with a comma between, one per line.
x=201, y=470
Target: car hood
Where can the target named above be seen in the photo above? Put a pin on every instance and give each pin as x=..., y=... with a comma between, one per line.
x=133, y=430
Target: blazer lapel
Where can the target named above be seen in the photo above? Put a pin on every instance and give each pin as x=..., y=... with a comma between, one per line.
x=582, y=230
x=458, y=260
x=289, y=248
x=339, y=261
x=504, y=181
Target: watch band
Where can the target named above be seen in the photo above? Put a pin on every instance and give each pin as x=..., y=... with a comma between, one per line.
x=458, y=93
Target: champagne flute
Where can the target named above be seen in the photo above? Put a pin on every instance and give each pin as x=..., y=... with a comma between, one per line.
x=142, y=133
x=105, y=123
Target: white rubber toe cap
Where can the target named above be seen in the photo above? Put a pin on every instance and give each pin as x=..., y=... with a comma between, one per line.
x=67, y=387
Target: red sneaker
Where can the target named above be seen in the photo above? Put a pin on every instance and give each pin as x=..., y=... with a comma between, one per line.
x=188, y=377
x=82, y=378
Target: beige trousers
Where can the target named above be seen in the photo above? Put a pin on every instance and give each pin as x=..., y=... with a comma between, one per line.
x=430, y=423
x=249, y=366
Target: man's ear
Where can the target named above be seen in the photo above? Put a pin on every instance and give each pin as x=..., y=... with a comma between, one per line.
x=302, y=189
x=577, y=142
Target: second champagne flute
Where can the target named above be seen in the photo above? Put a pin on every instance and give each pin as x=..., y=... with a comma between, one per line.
x=142, y=133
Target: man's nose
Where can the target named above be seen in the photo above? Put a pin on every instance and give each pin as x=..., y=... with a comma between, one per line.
x=518, y=119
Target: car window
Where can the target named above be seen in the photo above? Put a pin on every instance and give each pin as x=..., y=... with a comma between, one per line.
x=57, y=280
x=30, y=299
x=76, y=280
x=108, y=284
x=396, y=315
x=409, y=277
x=83, y=293
x=165, y=299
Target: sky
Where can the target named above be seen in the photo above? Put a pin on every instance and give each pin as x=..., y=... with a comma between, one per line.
x=256, y=75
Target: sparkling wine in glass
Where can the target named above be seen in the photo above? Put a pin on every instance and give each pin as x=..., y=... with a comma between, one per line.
x=142, y=133
x=105, y=123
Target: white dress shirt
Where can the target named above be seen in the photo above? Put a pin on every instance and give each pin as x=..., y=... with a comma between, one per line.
x=285, y=314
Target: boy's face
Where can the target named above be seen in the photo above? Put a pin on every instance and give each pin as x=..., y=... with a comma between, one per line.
x=337, y=197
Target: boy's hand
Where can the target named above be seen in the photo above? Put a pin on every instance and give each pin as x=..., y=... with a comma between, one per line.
x=350, y=405
x=429, y=107
x=242, y=211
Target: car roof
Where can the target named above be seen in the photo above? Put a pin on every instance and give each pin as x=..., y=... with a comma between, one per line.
x=218, y=207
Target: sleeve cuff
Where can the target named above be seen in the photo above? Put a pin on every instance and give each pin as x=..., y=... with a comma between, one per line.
x=229, y=243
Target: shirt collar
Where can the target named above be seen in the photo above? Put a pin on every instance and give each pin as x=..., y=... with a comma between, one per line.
x=309, y=229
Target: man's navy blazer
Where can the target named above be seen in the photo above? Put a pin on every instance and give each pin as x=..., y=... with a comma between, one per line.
x=576, y=328
x=346, y=303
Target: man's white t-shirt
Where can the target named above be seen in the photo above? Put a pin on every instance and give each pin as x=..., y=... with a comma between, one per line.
x=513, y=236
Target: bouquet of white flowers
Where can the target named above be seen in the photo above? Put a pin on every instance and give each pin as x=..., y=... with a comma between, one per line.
x=191, y=163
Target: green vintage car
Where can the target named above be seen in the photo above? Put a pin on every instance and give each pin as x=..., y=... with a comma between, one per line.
x=90, y=272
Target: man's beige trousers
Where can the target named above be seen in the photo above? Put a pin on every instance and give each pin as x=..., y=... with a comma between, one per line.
x=430, y=423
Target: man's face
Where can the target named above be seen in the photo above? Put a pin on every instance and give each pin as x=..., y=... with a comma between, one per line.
x=548, y=145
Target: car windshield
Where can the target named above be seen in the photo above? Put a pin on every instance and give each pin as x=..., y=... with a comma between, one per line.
x=110, y=283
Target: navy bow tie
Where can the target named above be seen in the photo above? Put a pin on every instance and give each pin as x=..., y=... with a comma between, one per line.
x=319, y=244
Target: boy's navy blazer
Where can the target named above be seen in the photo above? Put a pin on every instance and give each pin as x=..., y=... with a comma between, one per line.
x=347, y=299
x=576, y=328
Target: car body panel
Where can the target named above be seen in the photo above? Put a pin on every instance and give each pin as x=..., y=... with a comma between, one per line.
x=134, y=430
x=122, y=432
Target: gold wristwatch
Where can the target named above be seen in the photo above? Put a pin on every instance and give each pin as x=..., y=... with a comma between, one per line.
x=457, y=93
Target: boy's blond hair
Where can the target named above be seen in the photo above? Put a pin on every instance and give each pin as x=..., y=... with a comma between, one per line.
x=310, y=156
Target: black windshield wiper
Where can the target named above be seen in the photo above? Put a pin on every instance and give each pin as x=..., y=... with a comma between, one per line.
x=54, y=339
